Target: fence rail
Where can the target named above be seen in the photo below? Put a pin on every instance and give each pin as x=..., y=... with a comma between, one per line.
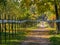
x=15, y=21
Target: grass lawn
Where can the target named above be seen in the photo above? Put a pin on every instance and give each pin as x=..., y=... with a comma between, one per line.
x=37, y=28
x=12, y=39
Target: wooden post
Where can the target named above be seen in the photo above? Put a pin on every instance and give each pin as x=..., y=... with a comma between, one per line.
x=9, y=27
x=5, y=28
x=12, y=27
x=0, y=32
x=15, y=27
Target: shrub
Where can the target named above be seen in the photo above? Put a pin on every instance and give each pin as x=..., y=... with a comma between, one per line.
x=52, y=32
x=55, y=40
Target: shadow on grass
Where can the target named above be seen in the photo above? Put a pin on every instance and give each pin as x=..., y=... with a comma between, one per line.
x=12, y=38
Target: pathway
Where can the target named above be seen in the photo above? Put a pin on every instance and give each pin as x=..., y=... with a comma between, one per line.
x=37, y=38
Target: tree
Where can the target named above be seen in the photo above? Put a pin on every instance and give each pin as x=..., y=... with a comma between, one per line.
x=57, y=15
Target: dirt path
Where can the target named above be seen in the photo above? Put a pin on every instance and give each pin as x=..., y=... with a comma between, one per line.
x=36, y=39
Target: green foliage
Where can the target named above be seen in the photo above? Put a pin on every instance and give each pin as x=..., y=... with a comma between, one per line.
x=22, y=10
x=19, y=9
x=52, y=32
x=55, y=40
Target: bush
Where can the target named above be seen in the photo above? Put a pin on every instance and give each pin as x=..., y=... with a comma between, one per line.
x=55, y=40
x=52, y=32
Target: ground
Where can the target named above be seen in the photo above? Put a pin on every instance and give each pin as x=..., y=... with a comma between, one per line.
x=37, y=37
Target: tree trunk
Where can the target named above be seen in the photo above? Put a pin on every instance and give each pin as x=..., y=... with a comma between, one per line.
x=57, y=15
